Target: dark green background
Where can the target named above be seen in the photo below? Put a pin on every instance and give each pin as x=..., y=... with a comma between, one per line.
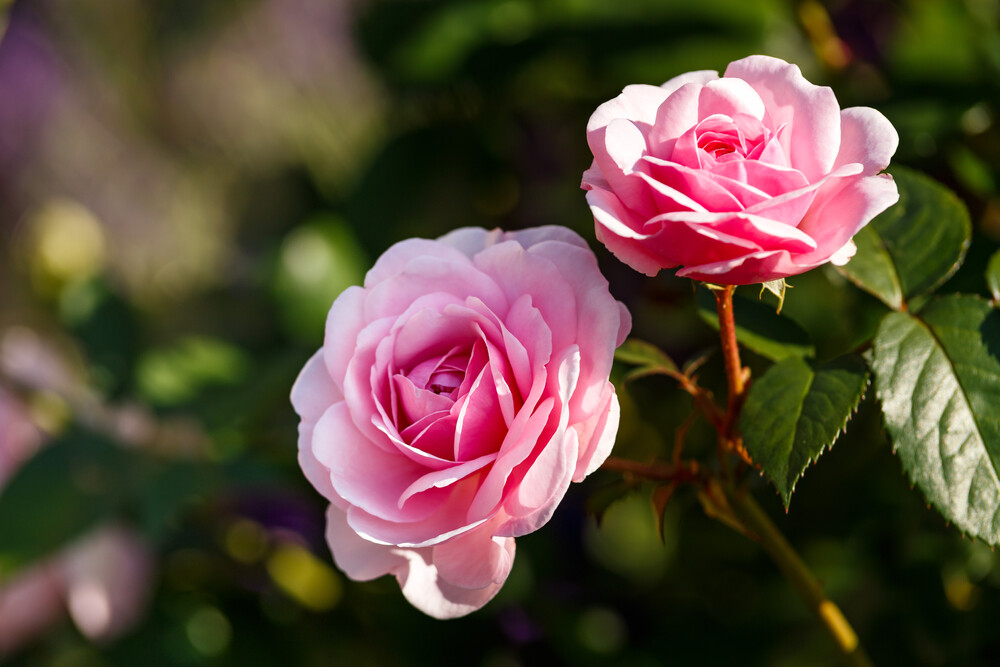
x=224, y=146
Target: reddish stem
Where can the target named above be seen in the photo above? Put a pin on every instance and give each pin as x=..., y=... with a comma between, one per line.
x=730, y=348
x=686, y=471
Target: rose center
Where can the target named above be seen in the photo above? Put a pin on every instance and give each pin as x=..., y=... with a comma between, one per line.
x=724, y=138
x=445, y=381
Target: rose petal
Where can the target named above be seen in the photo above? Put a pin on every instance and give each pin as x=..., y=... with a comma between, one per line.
x=544, y=484
x=682, y=241
x=480, y=428
x=844, y=255
x=599, y=322
x=431, y=440
x=343, y=324
x=364, y=475
x=768, y=178
x=617, y=149
x=638, y=102
x=432, y=594
x=359, y=559
x=427, y=334
x=448, y=521
x=522, y=273
x=394, y=260
x=357, y=382
x=430, y=275
x=699, y=77
x=416, y=403
x=743, y=194
x=312, y=393
x=791, y=206
x=517, y=447
x=597, y=434
x=839, y=212
x=615, y=227
x=534, y=235
x=475, y=559
x=749, y=269
x=526, y=329
x=729, y=97
x=418, y=577
x=439, y=479
x=677, y=115
x=541, y=480
x=866, y=136
x=680, y=188
x=810, y=112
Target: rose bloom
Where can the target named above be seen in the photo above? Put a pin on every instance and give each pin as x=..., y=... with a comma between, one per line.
x=751, y=177
x=456, y=396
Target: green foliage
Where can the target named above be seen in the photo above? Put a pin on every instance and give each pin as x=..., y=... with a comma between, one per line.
x=318, y=260
x=649, y=359
x=252, y=152
x=993, y=275
x=914, y=246
x=759, y=327
x=168, y=376
x=795, y=411
x=937, y=374
x=68, y=487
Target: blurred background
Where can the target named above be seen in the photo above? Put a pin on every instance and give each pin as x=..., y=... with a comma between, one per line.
x=185, y=186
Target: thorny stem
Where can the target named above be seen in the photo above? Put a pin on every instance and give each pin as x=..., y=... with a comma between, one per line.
x=688, y=471
x=753, y=517
x=702, y=399
x=799, y=576
x=745, y=514
x=736, y=374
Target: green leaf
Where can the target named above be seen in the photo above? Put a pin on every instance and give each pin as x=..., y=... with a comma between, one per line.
x=993, y=275
x=601, y=499
x=660, y=498
x=914, y=246
x=937, y=375
x=759, y=328
x=650, y=359
x=794, y=412
x=66, y=488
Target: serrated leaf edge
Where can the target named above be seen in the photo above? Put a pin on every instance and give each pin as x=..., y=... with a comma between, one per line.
x=841, y=430
x=894, y=446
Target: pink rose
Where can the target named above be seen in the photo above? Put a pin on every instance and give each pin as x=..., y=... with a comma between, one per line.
x=754, y=176
x=456, y=396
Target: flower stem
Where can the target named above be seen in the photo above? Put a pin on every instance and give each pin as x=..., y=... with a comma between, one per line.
x=688, y=471
x=753, y=518
x=796, y=572
x=735, y=373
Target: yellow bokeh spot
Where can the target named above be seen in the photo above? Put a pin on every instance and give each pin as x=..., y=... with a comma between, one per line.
x=961, y=593
x=308, y=580
x=209, y=631
x=246, y=541
x=69, y=244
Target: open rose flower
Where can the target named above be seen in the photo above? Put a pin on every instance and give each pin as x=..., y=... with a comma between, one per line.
x=456, y=396
x=751, y=177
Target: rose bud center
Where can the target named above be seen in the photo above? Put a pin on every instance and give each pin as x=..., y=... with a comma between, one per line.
x=446, y=381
